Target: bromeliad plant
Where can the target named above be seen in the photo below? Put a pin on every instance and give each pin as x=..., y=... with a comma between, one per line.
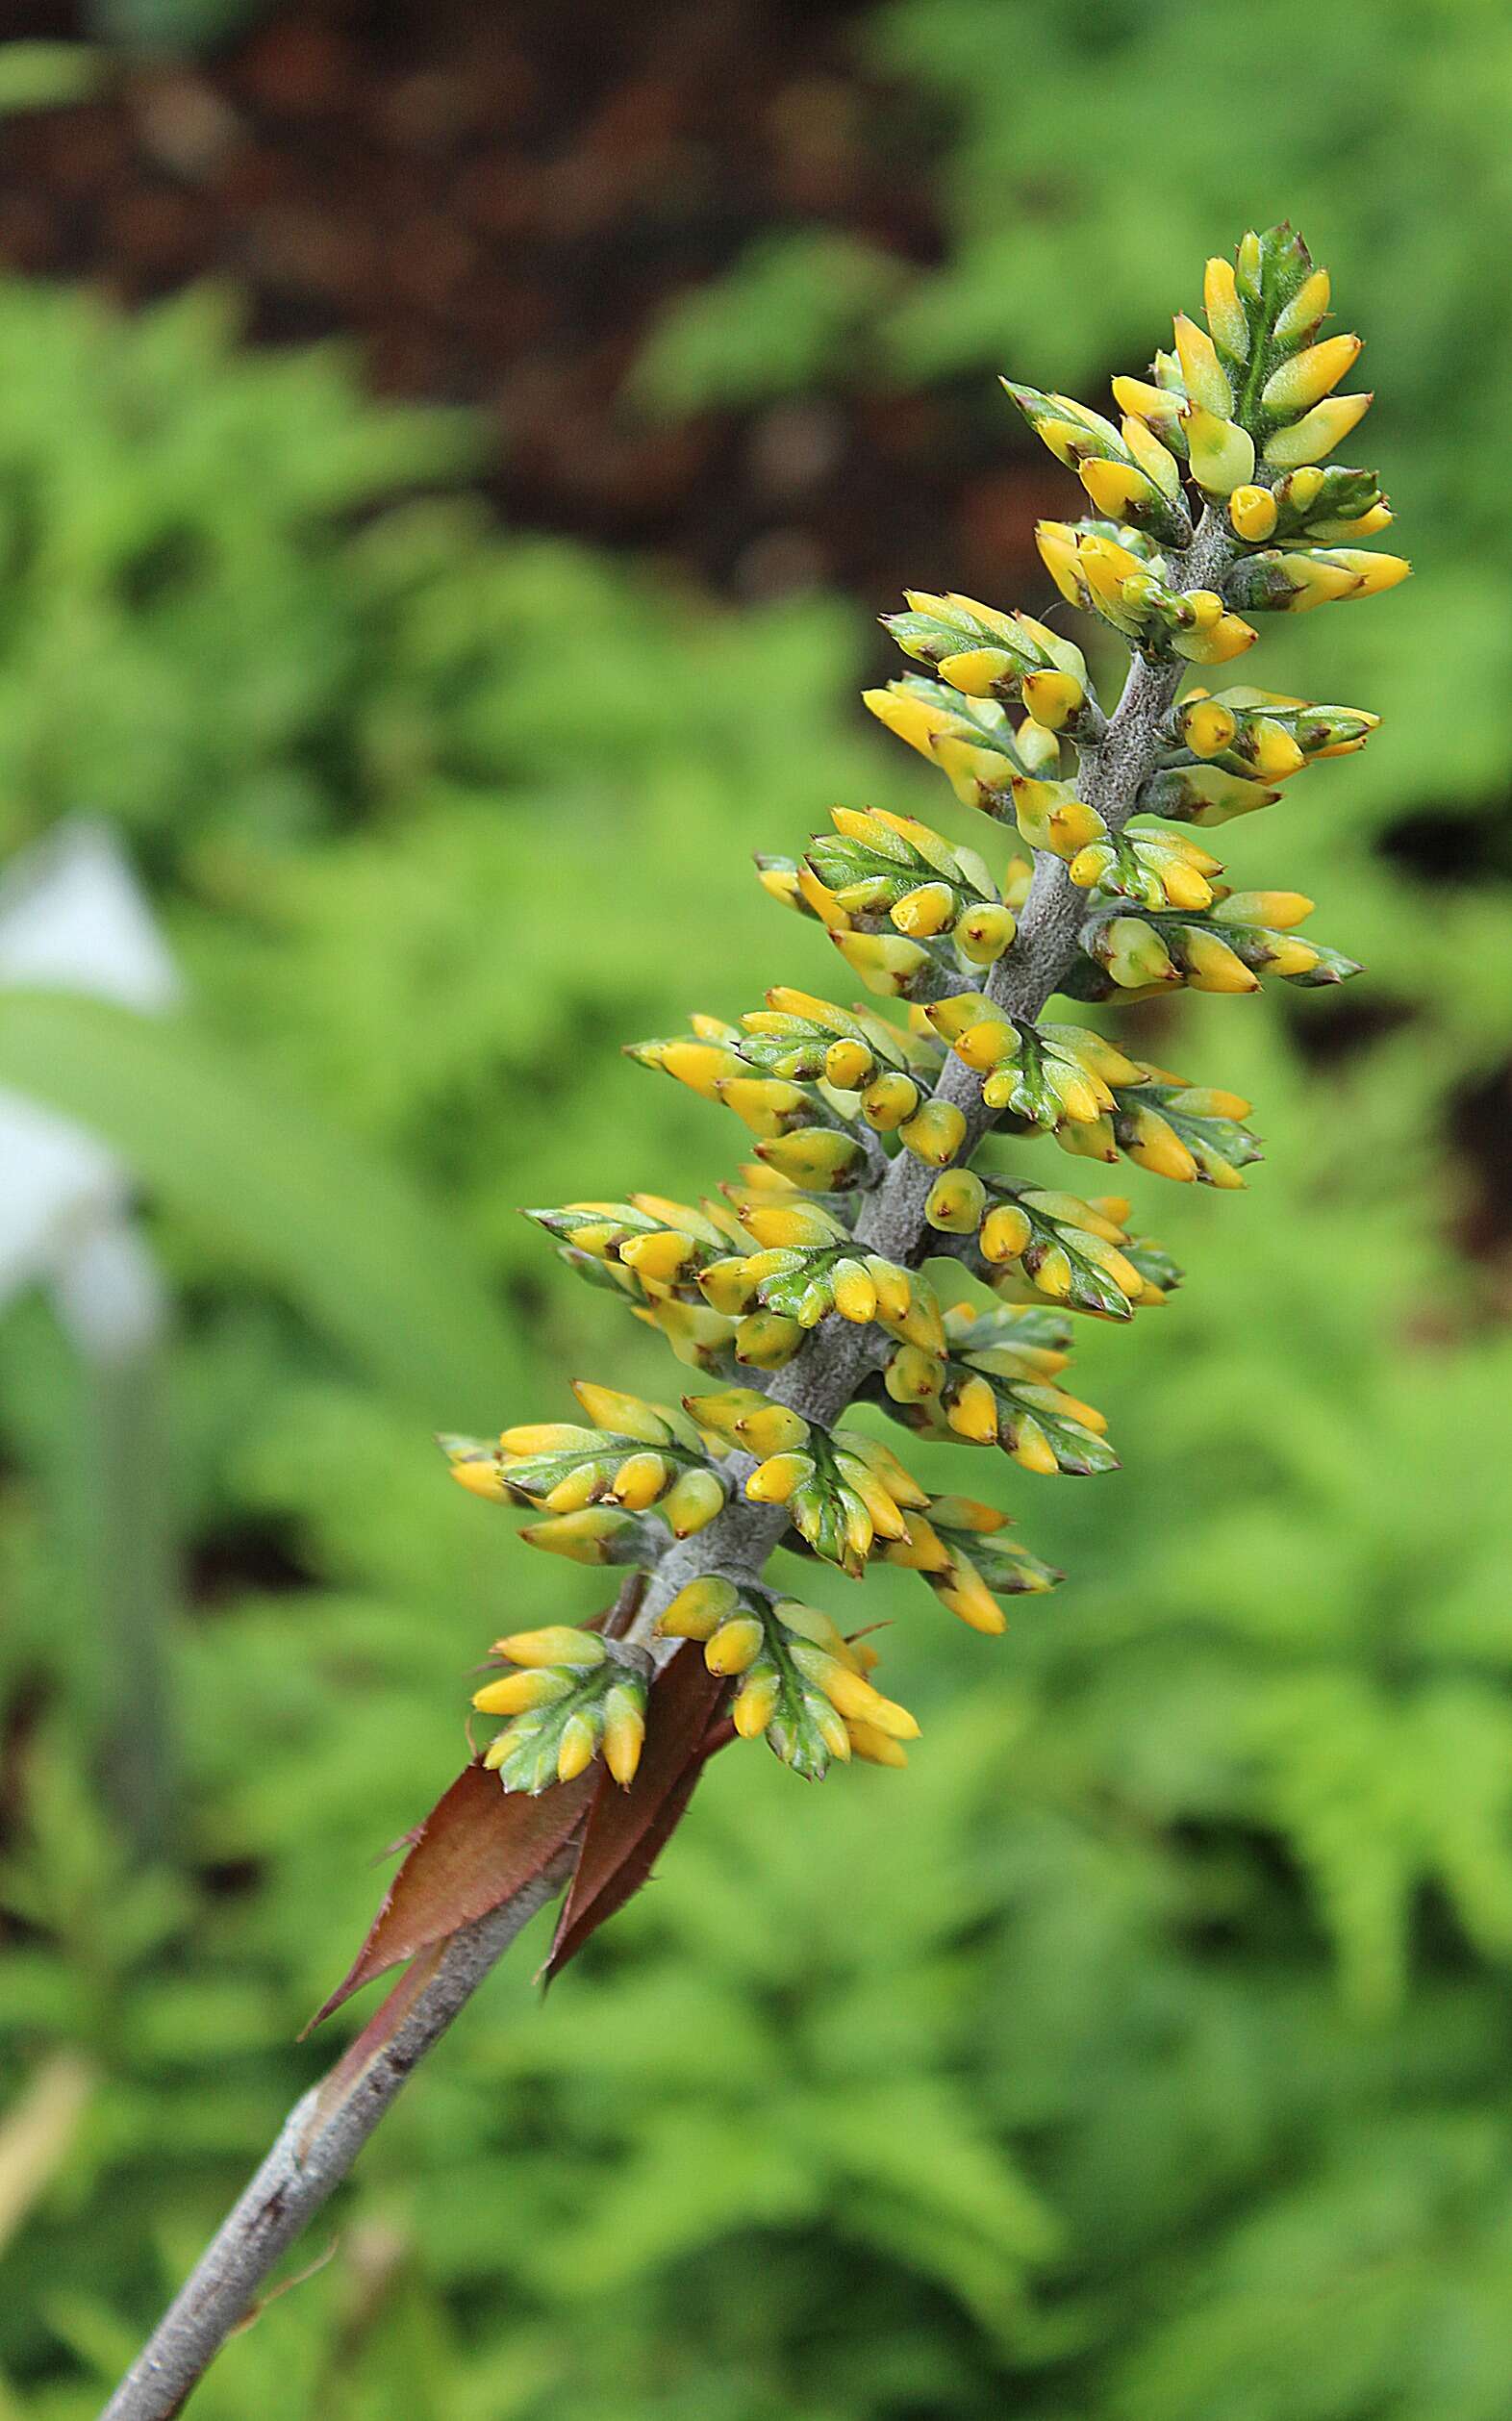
x=891, y=1145
x=893, y=1148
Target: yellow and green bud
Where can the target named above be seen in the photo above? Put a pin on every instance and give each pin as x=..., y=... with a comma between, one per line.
x=1317, y=432
x=1223, y=455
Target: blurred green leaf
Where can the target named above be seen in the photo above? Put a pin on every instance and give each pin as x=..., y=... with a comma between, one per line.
x=48, y=75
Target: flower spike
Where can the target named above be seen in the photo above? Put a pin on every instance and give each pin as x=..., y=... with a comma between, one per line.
x=895, y=1131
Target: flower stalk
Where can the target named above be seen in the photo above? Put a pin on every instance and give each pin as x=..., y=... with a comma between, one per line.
x=891, y=1142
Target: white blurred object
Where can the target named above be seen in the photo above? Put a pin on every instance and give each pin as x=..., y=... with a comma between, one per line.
x=73, y=918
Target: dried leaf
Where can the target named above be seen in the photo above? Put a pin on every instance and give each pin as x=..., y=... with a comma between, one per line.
x=478, y=1846
x=627, y=1829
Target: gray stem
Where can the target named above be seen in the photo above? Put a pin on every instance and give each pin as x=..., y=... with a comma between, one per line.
x=305, y=2166
x=321, y=2138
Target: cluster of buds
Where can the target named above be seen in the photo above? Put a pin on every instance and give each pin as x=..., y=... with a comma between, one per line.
x=1244, y=934
x=913, y=915
x=884, y=1141
x=801, y=1685
x=959, y=1546
x=733, y=1285
x=595, y=1482
x=843, y=1492
x=570, y=1697
x=990, y=1386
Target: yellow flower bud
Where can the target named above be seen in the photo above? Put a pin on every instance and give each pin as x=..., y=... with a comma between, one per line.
x=774, y=1481
x=756, y=1701
x=1081, y=1097
x=977, y=672
x=935, y=1133
x=855, y=1697
x=701, y=1065
x=735, y=1646
x=1118, y=490
x=888, y=1099
x=1184, y=884
x=699, y=1610
x=691, y=1502
x=913, y=1375
x=612, y=1408
x=577, y=1489
x=556, y=1643
x=1226, y=313
x=1202, y=373
x=887, y=963
x=640, y=1480
x=1222, y=454
x=811, y=1156
x=1279, y=908
x=1051, y=816
x=821, y=902
x=1208, y=728
x=1159, y=465
x=855, y=1291
x=1207, y=1101
x=1106, y=566
x=781, y=881
x=956, y=1202
x=1371, y=573
x=913, y=718
x=1276, y=756
x=1154, y=1144
x=1317, y=432
x=481, y=1478
x=1155, y=406
x=1252, y=513
x=1305, y=308
x=1213, y=967
x=1228, y=636
x=926, y=911
x=848, y=1063
x=1289, y=957
x=545, y=1437
x=952, y=1016
x=895, y=1287
x=967, y=1597
x=1307, y=377
x=728, y=1284
x=624, y=1734
x=1135, y=955
x=1005, y=1231
x=1033, y=1452
x=1053, y=697
x=515, y=1692
x=767, y=1340
x=876, y=1747
x=985, y=1045
x=577, y=1747
x=658, y=1258
x=770, y=1428
x=973, y=1413
x=1057, y=545
x=984, y=933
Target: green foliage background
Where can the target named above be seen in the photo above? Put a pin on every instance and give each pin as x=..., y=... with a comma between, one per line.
x=1144, y=2050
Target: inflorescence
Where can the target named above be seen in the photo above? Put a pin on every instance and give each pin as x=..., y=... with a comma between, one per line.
x=883, y=1140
